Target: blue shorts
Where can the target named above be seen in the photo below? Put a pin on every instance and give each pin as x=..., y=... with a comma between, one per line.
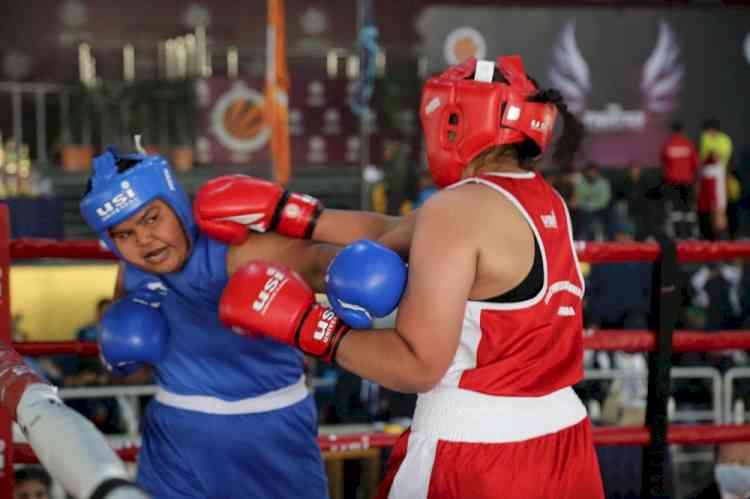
x=268, y=455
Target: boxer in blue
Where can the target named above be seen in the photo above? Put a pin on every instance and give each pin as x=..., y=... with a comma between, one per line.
x=232, y=416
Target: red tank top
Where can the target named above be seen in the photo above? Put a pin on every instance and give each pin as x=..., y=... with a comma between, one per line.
x=680, y=160
x=535, y=347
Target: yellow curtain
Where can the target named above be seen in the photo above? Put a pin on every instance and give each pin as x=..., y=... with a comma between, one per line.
x=53, y=301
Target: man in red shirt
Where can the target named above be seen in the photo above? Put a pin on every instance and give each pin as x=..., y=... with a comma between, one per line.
x=680, y=161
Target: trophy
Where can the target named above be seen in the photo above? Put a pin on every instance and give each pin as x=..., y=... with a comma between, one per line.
x=10, y=170
x=24, y=171
x=3, y=191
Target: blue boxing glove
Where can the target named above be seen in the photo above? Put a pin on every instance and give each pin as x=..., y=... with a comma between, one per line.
x=364, y=280
x=132, y=332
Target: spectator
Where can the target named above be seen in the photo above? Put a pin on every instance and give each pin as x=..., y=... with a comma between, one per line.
x=400, y=177
x=680, y=162
x=32, y=482
x=714, y=141
x=712, y=199
x=716, y=149
x=744, y=294
x=716, y=290
x=593, y=195
x=88, y=332
x=633, y=193
x=731, y=473
x=734, y=199
x=742, y=172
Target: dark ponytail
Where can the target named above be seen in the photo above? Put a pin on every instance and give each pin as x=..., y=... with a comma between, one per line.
x=527, y=152
x=572, y=136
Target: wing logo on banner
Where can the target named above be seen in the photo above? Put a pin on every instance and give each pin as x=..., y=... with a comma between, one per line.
x=660, y=85
x=569, y=71
x=662, y=73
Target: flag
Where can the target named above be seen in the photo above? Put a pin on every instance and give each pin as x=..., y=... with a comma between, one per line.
x=367, y=41
x=277, y=92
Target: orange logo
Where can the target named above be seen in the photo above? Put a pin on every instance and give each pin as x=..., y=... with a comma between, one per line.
x=243, y=119
x=238, y=119
x=462, y=43
x=464, y=48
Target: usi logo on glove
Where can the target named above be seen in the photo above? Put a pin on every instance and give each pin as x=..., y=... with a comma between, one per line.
x=270, y=289
x=324, y=327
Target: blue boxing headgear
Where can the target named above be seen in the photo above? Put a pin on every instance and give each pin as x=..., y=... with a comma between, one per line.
x=117, y=195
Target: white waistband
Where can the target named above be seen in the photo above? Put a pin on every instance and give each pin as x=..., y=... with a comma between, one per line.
x=277, y=399
x=459, y=415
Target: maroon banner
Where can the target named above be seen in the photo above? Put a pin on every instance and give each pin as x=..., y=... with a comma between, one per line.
x=323, y=129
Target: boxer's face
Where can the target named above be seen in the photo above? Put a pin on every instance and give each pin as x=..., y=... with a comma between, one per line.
x=152, y=239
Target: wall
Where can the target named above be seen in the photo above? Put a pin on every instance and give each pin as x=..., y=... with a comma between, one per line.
x=55, y=300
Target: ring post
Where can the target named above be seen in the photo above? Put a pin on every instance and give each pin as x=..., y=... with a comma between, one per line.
x=664, y=305
x=6, y=425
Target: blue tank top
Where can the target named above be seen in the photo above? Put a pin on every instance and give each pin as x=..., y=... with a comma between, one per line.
x=204, y=357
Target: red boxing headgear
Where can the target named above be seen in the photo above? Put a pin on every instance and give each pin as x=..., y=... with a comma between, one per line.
x=462, y=117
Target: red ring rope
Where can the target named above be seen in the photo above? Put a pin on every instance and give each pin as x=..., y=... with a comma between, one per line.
x=609, y=435
x=625, y=340
x=592, y=252
x=616, y=252
x=51, y=248
x=683, y=341
x=706, y=251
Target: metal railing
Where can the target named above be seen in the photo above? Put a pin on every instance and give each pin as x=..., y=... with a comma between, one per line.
x=126, y=397
x=40, y=92
x=129, y=406
x=96, y=117
x=734, y=412
x=678, y=415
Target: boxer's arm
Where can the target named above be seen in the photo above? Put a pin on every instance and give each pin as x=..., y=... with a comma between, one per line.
x=445, y=254
x=415, y=355
x=346, y=226
x=308, y=258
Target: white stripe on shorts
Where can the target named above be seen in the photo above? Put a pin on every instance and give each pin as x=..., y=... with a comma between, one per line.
x=412, y=480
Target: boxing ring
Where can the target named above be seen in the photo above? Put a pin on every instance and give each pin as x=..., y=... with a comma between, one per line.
x=660, y=341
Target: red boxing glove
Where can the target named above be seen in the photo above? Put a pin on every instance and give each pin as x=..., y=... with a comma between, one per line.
x=274, y=301
x=15, y=376
x=226, y=207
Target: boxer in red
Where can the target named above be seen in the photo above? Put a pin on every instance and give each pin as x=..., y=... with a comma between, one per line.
x=489, y=329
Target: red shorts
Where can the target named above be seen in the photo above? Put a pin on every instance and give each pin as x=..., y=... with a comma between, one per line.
x=562, y=465
x=712, y=190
